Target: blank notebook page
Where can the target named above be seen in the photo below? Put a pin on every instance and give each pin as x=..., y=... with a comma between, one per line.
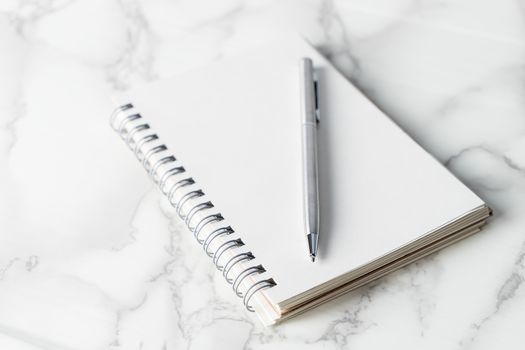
x=235, y=126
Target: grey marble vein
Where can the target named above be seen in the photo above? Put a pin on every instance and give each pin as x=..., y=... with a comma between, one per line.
x=136, y=61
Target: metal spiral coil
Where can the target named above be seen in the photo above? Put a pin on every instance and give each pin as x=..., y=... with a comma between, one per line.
x=254, y=288
x=233, y=261
x=204, y=222
x=186, y=197
x=232, y=243
x=177, y=186
x=136, y=129
x=189, y=202
x=152, y=169
x=249, y=271
x=195, y=210
x=166, y=175
x=222, y=231
x=139, y=144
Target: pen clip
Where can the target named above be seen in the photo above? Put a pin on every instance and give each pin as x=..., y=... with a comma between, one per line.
x=316, y=99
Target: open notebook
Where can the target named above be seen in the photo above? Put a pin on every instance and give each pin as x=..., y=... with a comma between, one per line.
x=223, y=144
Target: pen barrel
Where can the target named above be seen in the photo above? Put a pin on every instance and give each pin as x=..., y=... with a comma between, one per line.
x=310, y=179
x=309, y=147
x=308, y=98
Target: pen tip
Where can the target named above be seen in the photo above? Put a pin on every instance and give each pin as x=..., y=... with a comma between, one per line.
x=312, y=245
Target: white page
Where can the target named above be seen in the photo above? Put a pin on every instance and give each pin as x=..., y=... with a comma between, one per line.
x=235, y=127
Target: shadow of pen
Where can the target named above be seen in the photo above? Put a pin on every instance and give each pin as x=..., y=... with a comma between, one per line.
x=326, y=168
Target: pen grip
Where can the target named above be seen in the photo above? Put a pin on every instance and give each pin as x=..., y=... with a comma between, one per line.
x=310, y=178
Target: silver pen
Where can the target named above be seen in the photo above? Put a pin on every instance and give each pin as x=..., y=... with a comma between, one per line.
x=309, y=120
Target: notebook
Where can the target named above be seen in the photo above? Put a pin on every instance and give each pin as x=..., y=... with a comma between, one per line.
x=223, y=143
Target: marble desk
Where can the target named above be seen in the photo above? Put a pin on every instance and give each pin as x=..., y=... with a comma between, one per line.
x=91, y=257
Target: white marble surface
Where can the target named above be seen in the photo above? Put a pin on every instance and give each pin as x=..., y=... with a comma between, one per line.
x=91, y=257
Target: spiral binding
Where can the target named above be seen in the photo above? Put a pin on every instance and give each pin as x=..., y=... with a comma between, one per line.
x=162, y=167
